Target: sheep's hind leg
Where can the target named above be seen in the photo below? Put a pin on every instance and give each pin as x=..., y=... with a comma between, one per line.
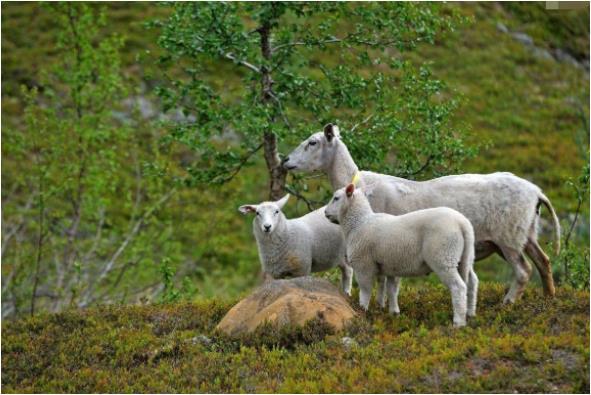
x=472, y=294
x=521, y=271
x=450, y=276
x=381, y=292
x=393, y=286
x=346, y=278
x=540, y=259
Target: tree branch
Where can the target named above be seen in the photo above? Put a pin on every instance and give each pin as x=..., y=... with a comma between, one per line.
x=336, y=40
x=311, y=204
x=366, y=120
x=302, y=43
x=130, y=236
x=280, y=107
x=243, y=161
x=421, y=169
x=228, y=55
x=7, y=235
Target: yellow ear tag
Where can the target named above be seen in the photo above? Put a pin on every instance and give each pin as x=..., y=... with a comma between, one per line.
x=355, y=179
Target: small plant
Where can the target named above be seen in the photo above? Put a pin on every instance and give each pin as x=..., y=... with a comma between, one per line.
x=574, y=259
x=170, y=293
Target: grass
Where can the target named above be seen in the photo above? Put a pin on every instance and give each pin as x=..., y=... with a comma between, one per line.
x=536, y=345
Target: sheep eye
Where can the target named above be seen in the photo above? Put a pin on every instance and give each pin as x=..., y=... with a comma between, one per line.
x=312, y=143
x=276, y=211
x=335, y=198
x=258, y=213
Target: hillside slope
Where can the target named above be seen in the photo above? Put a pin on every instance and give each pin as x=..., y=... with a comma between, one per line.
x=527, y=112
x=537, y=345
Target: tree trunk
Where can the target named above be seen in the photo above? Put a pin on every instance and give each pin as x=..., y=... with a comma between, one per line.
x=276, y=171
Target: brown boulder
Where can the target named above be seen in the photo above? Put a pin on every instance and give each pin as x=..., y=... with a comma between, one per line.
x=288, y=302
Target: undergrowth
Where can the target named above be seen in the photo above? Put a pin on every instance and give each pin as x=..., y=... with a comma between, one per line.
x=536, y=345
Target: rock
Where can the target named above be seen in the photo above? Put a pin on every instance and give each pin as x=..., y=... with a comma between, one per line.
x=523, y=38
x=201, y=339
x=565, y=57
x=542, y=53
x=502, y=28
x=348, y=342
x=288, y=302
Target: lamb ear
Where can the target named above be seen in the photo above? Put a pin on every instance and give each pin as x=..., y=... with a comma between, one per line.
x=281, y=202
x=330, y=131
x=248, y=208
x=350, y=189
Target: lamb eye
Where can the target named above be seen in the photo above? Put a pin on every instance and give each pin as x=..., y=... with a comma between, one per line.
x=312, y=143
x=258, y=213
x=335, y=198
x=276, y=211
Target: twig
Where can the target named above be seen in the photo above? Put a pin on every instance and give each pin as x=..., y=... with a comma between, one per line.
x=421, y=169
x=130, y=236
x=366, y=120
x=16, y=228
x=243, y=161
x=295, y=193
x=285, y=120
x=228, y=55
x=335, y=40
x=297, y=43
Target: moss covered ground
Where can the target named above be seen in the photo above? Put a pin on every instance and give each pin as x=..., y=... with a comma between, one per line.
x=536, y=345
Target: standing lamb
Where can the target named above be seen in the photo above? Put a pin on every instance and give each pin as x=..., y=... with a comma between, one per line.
x=503, y=208
x=299, y=246
x=436, y=239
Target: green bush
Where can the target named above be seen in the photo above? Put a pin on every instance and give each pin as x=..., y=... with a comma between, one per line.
x=537, y=345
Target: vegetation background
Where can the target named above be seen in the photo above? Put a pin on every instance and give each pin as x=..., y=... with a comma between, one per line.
x=104, y=202
x=526, y=113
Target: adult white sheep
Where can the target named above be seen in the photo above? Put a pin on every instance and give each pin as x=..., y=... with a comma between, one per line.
x=502, y=207
x=298, y=246
x=439, y=240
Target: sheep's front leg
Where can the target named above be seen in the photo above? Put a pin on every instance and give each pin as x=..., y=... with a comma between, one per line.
x=452, y=279
x=521, y=271
x=346, y=278
x=365, y=280
x=393, y=285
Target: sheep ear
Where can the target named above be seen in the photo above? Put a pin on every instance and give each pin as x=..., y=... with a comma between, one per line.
x=248, y=208
x=330, y=131
x=350, y=189
x=281, y=202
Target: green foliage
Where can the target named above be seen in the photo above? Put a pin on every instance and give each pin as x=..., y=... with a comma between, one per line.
x=575, y=259
x=537, y=345
x=289, y=68
x=523, y=110
x=82, y=228
x=170, y=293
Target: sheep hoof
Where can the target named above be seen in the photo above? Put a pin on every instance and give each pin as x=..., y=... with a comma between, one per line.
x=508, y=301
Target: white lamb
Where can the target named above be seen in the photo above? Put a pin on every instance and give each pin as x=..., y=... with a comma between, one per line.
x=299, y=246
x=502, y=207
x=439, y=240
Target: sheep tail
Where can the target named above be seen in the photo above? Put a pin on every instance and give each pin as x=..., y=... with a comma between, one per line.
x=467, y=259
x=543, y=199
